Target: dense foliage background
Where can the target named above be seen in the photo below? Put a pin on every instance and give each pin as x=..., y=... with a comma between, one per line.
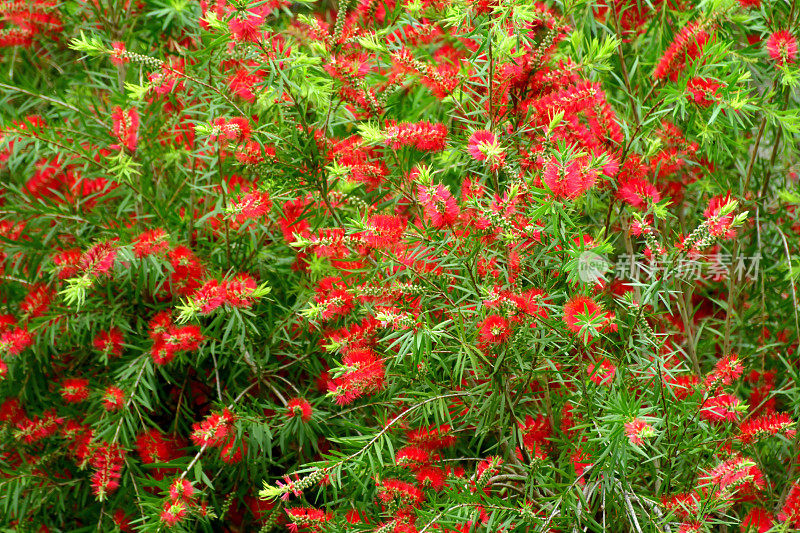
x=409, y=266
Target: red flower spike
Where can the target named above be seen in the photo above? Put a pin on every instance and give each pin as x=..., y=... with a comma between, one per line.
x=181, y=489
x=126, y=127
x=782, y=47
x=299, y=407
x=439, y=206
x=75, y=390
x=113, y=398
x=109, y=342
x=174, y=512
x=765, y=426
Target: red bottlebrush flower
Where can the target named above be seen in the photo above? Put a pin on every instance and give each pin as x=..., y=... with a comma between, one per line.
x=333, y=298
x=75, y=390
x=246, y=27
x=174, y=512
x=251, y=206
x=234, y=130
x=210, y=296
x=239, y=290
x=400, y=493
x=439, y=206
x=107, y=461
x=214, y=430
x=384, y=231
x=109, y=342
x=354, y=517
x=250, y=153
x=569, y=180
x=36, y=429
x=162, y=353
x=757, y=520
x=535, y=432
x=412, y=457
x=756, y=429
x=692, y=526
x=431, y=477
x=364, y=375
x=98, y=259
x=181, y=489
x=483, y=146
x=790, y=512
x=37, y=301
x=703, y=91
x=126, y=127
x=122, y=521
x=67, y=262
x=603, y=373
x=722, y=407
x=726, y=371
x=152, y=447
x=432, y=438
x=682, y=386
x=160, y=324
x=231, y=453
x=243, y=82
x=782, y=47
x=150, y=242
x=486, y=469
x=3, y=370
x=11, y=411
x=299, y=407
x=494, y=329
x=187, y=271
x=185, y=339
x=581, y=311
x=113, y=398
x=168, y=79
x=424, y=136
x=79, y=439
x=12, y=342
x=302, y=517
x=580, y=462
x=638, y=192
x=688, y=45
x=7, y=322
x=118, y=57
x=719, y=226
x=637, y=430
x=683, y=505
x=732, y=474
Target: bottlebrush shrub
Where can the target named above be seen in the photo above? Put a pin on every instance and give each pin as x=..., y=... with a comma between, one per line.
x=419, y=266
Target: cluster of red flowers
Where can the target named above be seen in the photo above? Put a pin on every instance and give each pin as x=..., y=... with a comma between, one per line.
x=686, y=47
x=217, y=431
x=181, y=499
x=363, y=374
x=235, y=292
x=424, y=136
x=24, y=21
x=75, y=390
x=107, y=461
x=782, y=47
x=299, y=407
x=169, y=339
x=109, y=342
x=413, y=263
x=126, y=127
x=307, y=517
x=584, y=315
